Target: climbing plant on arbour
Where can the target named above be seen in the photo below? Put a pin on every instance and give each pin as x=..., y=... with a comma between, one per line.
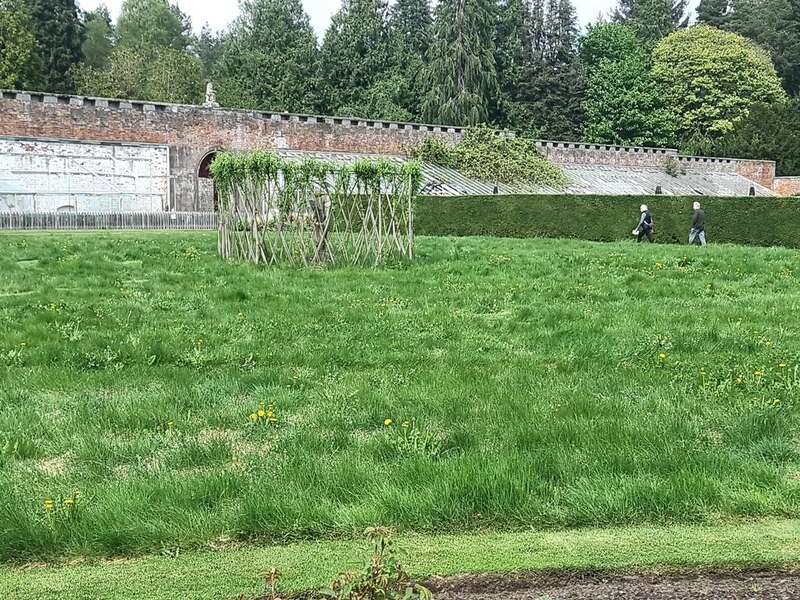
x=281, y=211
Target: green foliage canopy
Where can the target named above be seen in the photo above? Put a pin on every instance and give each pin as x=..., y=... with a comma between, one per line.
x=711, y=78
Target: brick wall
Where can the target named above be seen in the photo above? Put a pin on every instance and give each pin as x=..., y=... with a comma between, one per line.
x=192, y=132
x=787, y=186
x=603, y=154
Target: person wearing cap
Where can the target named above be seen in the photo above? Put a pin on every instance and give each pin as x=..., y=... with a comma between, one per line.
x=698, y=225
x=645, y=226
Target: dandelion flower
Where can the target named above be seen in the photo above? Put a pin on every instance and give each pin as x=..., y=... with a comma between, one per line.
x=703, y=373
x=49, y=504
x=261, y=413
x=662, y=356
x=270, y=414
x=738, y=381
x=782, y=366
x=387, y=422
x=69, y=502
x=253, y=417
x=262, y=403
x=757, y=373
x=170, y=423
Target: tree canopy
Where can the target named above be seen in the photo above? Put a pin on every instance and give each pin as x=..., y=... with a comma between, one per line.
x=711, y=78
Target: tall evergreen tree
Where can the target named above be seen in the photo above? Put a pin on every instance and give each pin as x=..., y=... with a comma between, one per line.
x=716, y=13
x=461, y=75
x=513, y=56
x=355, y=56
x=410, y=36
x=554, y=85
x=209, y=49
x=59, y=37
x=773, y=24
x=99, y=41
x=652, y=19
x=269, y=59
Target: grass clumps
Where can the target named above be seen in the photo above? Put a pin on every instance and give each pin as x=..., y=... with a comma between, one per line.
x=492, y=383
x=493, y=158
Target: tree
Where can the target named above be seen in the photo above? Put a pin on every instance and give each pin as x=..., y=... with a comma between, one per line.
x=768, y=132
x=167, y=75
x=461, y=76
x=59, y=37
x=151, y=25
x=355, y=56
x=652, y=20
x=623, y=104
x=773, y=24
x=711, y=78
x=209, y=48
x=716, y=13
x=513, y=58
x=99, y=41
x=269, y=59
x=410, y=37
x=17, y=44
x=553, y=84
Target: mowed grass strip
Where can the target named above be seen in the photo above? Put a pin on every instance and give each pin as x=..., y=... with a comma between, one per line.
x=156, y=398
x=228, y=573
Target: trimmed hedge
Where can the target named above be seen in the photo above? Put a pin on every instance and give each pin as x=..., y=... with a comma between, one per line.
x=758, y=221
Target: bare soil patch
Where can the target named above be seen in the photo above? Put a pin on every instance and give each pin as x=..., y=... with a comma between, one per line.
x=708, y=586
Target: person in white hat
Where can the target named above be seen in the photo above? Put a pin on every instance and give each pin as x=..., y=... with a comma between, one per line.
x=698, y=225
x=645, y=226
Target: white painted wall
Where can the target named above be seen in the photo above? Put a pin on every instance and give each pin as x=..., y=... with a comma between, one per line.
x=85, y=177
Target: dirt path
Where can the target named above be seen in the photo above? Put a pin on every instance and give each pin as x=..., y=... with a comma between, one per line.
x=739, y=586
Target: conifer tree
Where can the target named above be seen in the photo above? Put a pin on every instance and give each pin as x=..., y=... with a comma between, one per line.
x=461, y=75
x=59, y=37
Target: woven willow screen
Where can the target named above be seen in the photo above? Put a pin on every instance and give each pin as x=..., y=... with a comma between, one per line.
x=278, y=211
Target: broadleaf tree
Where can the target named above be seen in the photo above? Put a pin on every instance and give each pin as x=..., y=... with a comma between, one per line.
x=623, y=104
x=17, y=45
x=711, y=78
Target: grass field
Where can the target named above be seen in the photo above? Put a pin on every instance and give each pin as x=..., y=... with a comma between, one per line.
x=529, y=383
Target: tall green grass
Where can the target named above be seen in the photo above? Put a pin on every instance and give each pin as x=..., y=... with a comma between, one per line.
x=529, y=383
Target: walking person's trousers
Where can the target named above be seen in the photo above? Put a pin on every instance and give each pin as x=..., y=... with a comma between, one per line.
x=697, y=233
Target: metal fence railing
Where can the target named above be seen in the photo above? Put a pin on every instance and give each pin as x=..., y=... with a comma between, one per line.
x=88, y=221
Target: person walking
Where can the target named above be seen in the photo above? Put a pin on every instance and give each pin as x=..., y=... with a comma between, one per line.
x=698, y=225
x=645, y=226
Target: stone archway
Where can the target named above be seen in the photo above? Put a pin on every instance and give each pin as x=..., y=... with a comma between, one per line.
x=207, y=198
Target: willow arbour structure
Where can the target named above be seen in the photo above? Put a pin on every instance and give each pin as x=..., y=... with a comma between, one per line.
x=274, y=210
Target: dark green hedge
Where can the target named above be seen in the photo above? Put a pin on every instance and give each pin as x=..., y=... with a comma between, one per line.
x=755, y=221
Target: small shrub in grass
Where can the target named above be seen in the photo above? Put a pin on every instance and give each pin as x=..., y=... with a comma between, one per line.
x=382, y=578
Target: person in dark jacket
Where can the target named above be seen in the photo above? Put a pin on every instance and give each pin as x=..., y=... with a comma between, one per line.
x=698, y=225
x=645, y=226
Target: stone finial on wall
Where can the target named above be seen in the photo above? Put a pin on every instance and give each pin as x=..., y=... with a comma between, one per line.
x=211, y=97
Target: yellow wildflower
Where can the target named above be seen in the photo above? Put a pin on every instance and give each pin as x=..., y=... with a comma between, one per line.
x=757, y=373
x=738, y=381
x=69, y=502
x=662, y=356
x=261, y=413
x=270, y=414
x=387, y=422
x=49, y=504
x=170, y=423
x=253, y=417
x=703, y=373
x=782, y=366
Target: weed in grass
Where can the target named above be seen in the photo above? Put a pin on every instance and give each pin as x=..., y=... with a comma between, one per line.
x=382, y=578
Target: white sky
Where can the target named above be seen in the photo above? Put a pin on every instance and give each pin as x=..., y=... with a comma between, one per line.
x=219, y=13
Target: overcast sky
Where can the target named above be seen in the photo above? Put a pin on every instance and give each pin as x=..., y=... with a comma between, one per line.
x=218, y=13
